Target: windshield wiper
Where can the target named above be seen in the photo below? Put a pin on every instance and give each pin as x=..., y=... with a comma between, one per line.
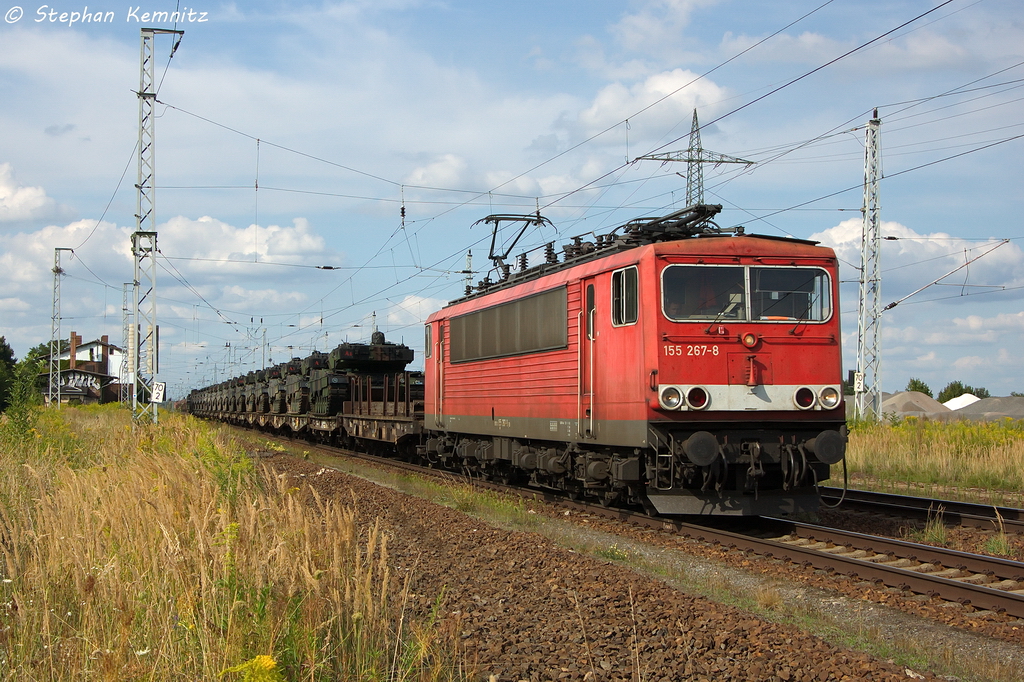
x=734, y=300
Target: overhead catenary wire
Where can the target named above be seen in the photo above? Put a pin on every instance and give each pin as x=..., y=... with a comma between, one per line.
x=382, y=250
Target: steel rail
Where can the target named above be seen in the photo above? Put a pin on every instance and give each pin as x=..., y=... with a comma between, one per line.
x=966, y=514
x=854, y=564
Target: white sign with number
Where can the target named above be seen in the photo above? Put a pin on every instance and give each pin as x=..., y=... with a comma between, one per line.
x=159, y=387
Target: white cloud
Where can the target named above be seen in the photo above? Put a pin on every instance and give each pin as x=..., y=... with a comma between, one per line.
x=959, y=338
x=18, y=202
x=447, y=171
x=658, y=27
x=11, y=305
x=969, y=363
x=209, y=240
x=918, y=50
x=913, y=259
x=260, y=299
x=412, y=310
x=617, y=102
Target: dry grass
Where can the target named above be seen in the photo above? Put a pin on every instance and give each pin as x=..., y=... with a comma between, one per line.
x=157, y=554
x=982, y=461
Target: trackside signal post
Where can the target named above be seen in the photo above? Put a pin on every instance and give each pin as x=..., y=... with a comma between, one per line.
x=143, y=348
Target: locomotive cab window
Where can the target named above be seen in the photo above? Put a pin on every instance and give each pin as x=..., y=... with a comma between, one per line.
x=624, y=297
x=428, y=343
x=789, y=294
x=759, y=293
x=702, y=292
x=590, y=312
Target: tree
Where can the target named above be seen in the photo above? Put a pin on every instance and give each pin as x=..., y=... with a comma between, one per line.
x=6, y=354
x=919, y=386
x=7, y=363
x=6, y=380
x=955, y=389
x=42, y=351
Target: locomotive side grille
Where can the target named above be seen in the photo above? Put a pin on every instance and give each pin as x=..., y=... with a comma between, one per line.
x=528, y=325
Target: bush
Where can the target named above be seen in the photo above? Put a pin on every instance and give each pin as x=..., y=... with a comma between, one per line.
x=22, y=399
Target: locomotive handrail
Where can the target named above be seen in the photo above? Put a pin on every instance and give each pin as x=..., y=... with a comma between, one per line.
x=579, y=374
x=592, y=340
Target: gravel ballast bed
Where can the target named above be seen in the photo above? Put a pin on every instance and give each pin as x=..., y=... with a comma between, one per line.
x=526, y=608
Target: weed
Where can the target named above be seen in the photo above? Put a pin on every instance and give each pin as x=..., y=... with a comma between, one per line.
x=768, y=598
x=160, y=554
x=934, y=531
x=920, y=453
x=462, y=497
x=998, y=544
x=612, y=553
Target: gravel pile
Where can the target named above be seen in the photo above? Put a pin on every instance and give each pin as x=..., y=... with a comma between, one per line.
x=994, y=408
x=528, y=609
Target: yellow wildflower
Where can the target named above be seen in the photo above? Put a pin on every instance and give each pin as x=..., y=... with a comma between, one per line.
x=259, y=669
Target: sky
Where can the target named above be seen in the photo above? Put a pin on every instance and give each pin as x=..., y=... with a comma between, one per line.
x=320, y=166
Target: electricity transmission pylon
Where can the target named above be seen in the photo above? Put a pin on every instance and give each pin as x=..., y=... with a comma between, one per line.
x=867, y=379
x=695, y=157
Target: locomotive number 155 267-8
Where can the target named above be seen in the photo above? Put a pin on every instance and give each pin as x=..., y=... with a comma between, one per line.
x=696, y=351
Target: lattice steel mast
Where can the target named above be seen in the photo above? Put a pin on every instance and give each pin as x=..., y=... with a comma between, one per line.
x=145, y=336
x=53, y=394
x=125, y=377
x=695, y=157
x=867, y=380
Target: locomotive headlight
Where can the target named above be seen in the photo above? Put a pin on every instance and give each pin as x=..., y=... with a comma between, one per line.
x=749, y=340
x=829, y=397
x=697, y=398
x=804, y=398
x=671, y=397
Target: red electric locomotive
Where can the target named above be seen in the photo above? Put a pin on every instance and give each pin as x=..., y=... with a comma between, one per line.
x=669, y=364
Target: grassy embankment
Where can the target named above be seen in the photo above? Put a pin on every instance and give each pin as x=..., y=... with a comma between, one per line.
x=162, y=553
x=972, y=461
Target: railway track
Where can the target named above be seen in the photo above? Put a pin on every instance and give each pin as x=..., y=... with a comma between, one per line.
x=964, y=514
x=984, y=582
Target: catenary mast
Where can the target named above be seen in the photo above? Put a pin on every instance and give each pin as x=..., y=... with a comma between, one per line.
x=867, y=381
x=144, y=356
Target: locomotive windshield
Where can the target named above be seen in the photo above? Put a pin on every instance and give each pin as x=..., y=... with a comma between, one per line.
x=697, y=292
x=789, y=294
x=720, y=293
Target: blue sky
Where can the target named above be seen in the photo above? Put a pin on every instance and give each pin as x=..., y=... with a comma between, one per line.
x=460, y=109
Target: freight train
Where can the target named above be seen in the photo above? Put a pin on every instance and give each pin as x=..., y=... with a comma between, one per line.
x=670, y=365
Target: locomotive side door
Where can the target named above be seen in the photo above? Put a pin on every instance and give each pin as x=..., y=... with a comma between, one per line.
x=587, y=341
x=439, y=375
